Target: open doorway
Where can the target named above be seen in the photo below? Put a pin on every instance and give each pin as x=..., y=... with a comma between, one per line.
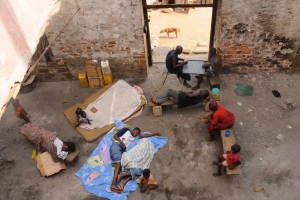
x=171, y=27
x=189, y=23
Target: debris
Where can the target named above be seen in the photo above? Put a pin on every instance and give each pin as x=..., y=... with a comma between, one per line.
x=33, y=154
x=260, y=159
x=280, y=137
x=239, y=103
x=279, y=85
x=291, y=85
x=276, y=93
x=259, y=188
x=290, y=127
x=168, y=193
x=253, y=79
x=239, y=186
x=250, y=110
x=195, y=181
x=241, y=123
x=246, y=76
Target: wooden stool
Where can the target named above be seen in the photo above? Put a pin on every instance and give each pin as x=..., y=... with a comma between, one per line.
x=215, y=82
x=158, y=108
x=72, y=158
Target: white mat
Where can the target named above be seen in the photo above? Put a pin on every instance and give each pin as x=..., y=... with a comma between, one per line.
x=118, y=102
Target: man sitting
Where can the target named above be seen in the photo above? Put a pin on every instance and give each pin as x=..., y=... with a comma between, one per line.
x=174, y=67
x=211, y=69
x=183, y=99
x=122, y=140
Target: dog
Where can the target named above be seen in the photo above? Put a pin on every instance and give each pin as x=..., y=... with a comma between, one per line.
x=170, y=30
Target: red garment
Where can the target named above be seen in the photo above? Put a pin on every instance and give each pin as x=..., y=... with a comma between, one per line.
x=231, y=158
x=20, y=110
x=221, y=119
x=150, y=180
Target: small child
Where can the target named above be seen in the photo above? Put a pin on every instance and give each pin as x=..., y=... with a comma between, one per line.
x=19, y=110
x=81, y=117
x=146, y=181
x=231, y=159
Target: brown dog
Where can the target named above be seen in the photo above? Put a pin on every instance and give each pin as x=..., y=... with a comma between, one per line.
x=170, y=30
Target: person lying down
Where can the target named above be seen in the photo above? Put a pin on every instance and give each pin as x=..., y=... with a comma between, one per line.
x=46, y=140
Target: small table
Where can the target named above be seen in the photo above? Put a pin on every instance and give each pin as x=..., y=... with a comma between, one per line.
x=193, y=67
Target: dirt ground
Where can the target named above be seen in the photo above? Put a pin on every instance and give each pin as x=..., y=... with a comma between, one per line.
x=194, y=27
x=184, y=163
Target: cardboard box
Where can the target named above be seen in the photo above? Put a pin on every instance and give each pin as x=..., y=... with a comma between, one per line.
x=94, y=82
x=91, y=68
x=47, y=166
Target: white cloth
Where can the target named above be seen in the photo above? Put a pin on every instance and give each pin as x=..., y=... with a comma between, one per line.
x=127, y=138
x=60, y=153
x=118, y=102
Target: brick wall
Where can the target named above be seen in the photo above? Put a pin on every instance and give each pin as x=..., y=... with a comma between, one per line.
x=258, y=36
x=110, y=29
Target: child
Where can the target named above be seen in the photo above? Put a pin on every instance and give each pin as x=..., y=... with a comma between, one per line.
x=231, y=159
x=19, y=110
x=81, y=117
x=146, y=181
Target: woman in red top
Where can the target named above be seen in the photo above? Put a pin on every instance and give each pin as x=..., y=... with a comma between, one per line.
x=219, y=119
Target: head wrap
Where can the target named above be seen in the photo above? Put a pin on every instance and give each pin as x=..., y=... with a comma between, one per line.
x=213, y=106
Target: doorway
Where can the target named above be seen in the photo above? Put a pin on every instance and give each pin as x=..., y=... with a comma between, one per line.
x=193, y=20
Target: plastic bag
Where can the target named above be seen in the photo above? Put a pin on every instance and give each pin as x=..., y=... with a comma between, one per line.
x=242, y=90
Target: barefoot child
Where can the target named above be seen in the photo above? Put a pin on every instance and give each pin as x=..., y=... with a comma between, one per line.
x=81, y=117
x=231, y=159
x=146, y=181
x=19, y=110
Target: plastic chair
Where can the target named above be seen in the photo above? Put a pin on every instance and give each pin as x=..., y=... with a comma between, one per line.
x=167, y=72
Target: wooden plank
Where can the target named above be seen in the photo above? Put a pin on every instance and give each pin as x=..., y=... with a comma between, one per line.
x=166, y=103
x=215, y=80
x=11, y=95
x=227, y=143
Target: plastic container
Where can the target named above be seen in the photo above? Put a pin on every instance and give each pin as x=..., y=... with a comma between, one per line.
x=227, y=133
x=83, y=80
x=215, y=93
x=108, y=79
x=105, y=67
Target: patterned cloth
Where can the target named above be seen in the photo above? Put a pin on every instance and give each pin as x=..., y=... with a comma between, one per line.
x=193, y=67
x=139, y=156
x=96, y=174
x=42, y=138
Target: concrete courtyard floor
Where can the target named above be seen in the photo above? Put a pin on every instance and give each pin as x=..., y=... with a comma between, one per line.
x=184, y=164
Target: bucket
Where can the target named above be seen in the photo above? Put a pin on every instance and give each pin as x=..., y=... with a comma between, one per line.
x=215, y=93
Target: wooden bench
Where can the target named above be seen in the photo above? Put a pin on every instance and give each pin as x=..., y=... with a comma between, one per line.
x=227, y=143
x=157, y=109
x=72, y=157
x=214, y=82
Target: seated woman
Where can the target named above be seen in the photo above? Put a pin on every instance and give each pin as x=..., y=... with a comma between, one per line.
x=220, y=119
x=45, y=140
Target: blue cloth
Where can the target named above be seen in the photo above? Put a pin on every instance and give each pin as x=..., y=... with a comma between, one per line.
x=97, y=173
x=116, y=152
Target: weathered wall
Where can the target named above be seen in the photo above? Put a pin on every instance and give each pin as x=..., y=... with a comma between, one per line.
x=106, y=29
x=21, y=25
x=258, y=35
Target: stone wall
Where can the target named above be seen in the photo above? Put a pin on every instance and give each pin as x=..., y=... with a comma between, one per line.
x=106, y=29
x=258, y=35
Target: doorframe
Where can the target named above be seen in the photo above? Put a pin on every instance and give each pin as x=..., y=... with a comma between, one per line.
x=214, y=7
